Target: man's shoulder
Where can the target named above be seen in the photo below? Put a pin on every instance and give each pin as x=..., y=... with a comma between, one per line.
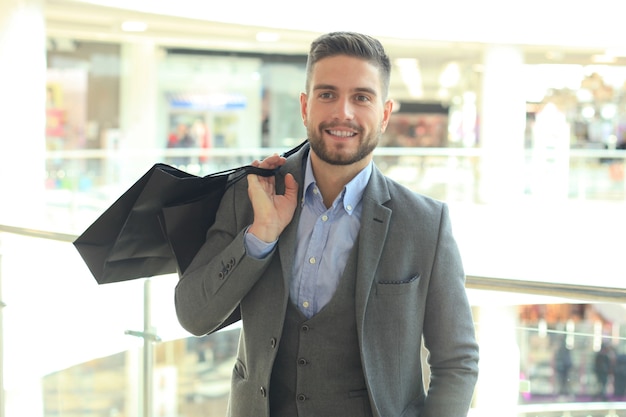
x=401, y=194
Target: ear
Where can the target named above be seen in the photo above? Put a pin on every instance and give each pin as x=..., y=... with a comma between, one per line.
x=387, y=109
x=304, y=107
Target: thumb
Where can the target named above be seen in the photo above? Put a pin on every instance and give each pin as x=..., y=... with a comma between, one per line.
x=291, y=187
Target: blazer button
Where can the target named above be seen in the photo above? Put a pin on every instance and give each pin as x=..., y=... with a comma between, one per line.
x=273, y=342
x=263, y=392
x=221, y=275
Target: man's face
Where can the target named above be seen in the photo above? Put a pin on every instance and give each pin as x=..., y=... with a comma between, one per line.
x=344, y=112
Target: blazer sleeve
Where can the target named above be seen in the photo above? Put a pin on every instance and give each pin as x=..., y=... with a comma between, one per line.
x=449, y=333
x=221, y=273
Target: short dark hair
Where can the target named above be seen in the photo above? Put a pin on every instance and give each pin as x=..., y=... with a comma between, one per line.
x=351, y=44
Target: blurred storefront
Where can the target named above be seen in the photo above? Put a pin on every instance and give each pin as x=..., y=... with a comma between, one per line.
x=561, y=349
x=204, y=100
x=113, y=107
x=560, y=346
x=209, y=100
x=214, y=99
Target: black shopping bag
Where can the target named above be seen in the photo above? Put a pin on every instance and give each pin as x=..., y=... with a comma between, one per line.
x=158, y=225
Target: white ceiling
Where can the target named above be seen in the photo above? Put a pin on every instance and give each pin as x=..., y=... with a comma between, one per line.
x=435, y=33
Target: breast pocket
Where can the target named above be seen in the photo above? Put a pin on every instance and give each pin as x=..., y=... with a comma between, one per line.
x=239, y=371
x=397, y=287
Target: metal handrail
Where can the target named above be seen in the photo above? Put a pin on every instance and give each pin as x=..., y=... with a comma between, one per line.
x=42, y=234
x=552, y=289
x=254, y=152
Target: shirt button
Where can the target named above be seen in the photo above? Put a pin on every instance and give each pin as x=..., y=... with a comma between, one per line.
x=349, y=207
x=324, y=218
x=312, y=260
x=305, y=304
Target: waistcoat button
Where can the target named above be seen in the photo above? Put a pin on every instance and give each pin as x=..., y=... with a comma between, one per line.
x=301, y=397
x=305, y=328
x=302, y=361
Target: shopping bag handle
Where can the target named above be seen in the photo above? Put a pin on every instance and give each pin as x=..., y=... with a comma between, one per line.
x=294, y=150
x=238, y=173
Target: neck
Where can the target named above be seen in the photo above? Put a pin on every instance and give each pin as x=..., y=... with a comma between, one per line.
x=331, y=179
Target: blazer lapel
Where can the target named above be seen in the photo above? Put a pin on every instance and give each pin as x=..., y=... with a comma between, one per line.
x=287, y=240
x=372, y=236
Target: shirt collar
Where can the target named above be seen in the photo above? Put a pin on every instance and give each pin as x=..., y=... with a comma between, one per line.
x=352, y=192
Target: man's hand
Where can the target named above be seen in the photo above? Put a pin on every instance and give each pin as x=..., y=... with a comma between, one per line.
x=272, y=212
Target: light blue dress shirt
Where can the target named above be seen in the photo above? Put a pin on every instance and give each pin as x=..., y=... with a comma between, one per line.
x=325, y=238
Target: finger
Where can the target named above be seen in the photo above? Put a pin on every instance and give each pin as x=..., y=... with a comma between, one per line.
x=291, y=187
x=253, y=180
x=272, y=161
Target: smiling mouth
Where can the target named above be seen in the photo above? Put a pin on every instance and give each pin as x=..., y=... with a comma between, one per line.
x=341, y=133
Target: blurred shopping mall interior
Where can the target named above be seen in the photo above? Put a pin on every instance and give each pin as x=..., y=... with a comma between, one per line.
x=513, y=114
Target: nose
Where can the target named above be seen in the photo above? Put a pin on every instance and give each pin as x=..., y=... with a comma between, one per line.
x=344, y=109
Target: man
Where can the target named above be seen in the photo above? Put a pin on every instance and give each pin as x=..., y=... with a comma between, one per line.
x=338, y=272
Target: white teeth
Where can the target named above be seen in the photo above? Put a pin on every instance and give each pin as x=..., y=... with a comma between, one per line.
x=341, y=133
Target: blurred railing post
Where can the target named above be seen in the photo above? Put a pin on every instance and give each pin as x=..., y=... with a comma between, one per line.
x=149, y=338
x=148, y=351
x=1, y=338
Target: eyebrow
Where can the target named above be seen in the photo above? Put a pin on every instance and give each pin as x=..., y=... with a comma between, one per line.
x=356, y=90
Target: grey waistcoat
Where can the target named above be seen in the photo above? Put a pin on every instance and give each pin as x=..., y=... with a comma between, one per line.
x=317, y=372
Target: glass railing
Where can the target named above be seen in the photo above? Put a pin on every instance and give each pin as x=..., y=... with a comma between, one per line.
x=71, y=347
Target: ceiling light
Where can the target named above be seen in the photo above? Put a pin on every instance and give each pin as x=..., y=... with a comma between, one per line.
x=618, y=53
x=584, y=95
x=450, y=76
x=555, y=55
x=134, y=26
x=603, y=59
x=588, y=112
x=411, y=75
x=608, y=111
x=267, y=37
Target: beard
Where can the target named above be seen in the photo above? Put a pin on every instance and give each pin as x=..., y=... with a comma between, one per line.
x=336, y=156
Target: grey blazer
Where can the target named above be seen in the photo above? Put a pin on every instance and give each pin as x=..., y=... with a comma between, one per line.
x=409, y=288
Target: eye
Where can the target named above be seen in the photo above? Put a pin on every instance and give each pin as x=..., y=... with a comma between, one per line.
x=326, y=95
x=363, y=98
